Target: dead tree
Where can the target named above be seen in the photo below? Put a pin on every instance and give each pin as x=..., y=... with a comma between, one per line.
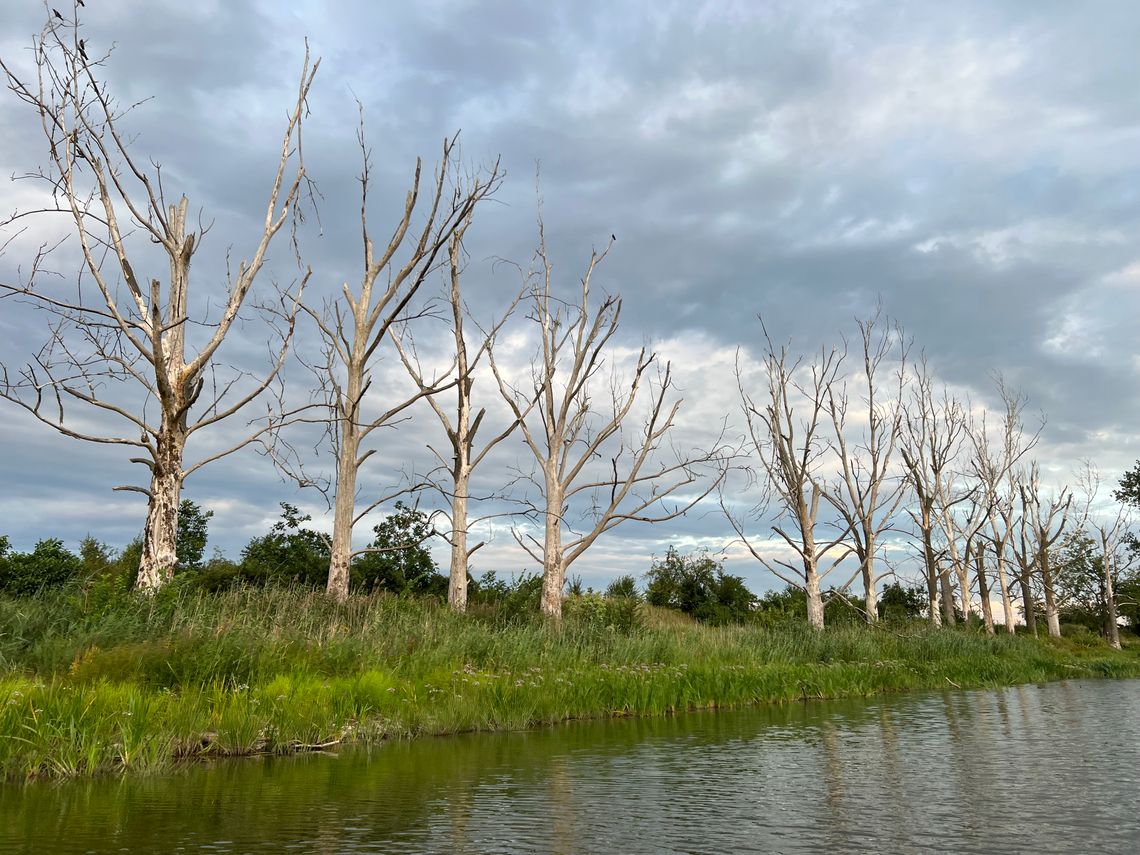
x=1042, y=524
x=864, y=496
x=933, y=429
x=124, y=343
x=962, y=510
x=995, y=464
x=587, y=454
x=354, y=326
x=1112, y=538
x=784, y=432
x=459, y=426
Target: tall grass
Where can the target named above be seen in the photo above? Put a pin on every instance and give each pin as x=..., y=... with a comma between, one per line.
x=137, y=684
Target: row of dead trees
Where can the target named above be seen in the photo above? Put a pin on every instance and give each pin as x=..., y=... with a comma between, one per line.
x=870, y=469
x=143, y=348
x=841, y=461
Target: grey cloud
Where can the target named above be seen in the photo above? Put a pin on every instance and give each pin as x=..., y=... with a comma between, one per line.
x=973, y=164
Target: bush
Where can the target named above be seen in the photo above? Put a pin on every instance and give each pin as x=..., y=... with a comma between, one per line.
x=49, y=565
x=618, y=614
x=624, y=586
x=698, y=586
x=402, y=563
x=778, y=608
x=899, y=604
x=289, y=553
x=506, y=603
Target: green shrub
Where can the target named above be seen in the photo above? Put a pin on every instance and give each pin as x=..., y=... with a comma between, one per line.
x=49, y=565
x=619, y=614
x=698, y=586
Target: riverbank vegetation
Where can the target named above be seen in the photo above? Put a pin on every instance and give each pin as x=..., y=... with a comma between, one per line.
x=102, y=681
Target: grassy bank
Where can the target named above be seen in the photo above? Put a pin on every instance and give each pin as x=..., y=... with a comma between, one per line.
x=132, y=684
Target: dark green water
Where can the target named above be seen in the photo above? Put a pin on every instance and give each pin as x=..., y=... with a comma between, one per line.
x=1052, y=768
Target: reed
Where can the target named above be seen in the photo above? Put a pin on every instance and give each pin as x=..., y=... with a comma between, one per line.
x=140, y=684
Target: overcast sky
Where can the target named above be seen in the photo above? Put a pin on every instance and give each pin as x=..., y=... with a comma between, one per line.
x=975, y=165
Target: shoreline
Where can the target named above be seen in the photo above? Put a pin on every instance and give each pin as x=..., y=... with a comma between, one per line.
x=142, y=685
x=73, y=730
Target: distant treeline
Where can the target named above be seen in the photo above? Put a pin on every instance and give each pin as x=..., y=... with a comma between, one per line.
x=400, y=563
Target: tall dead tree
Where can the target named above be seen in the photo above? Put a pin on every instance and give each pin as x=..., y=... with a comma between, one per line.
x=933, y=430
x=1043, y=519
x=864, y=496
x=460, y=426
x=127, y=344
x=354, y=326
x=1111, y=532
x=994, y=464
x=962, y=510
x=784, y=432
x=597, y=471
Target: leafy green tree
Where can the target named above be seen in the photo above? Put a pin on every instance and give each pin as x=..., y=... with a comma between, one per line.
x=1128, y=493
x=398, y=560
x=897, y=603
x=291, y=552
x=97, y=558
x=190, y=542
x=49, y=565
x=790, y=606
x=697, y=585
x=623, y=586
x=1128, y=600
x=1080, y=584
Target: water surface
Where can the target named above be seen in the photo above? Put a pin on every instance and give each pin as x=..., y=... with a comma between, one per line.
x=1053, y=768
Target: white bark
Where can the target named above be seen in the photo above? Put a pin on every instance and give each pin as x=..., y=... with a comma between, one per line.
x=568, y=433
x=791, y=465
x=354, y=328
x=934, y=427
x=461, y=433
x=126, y=329
x=1043, y=523
x=863, y=495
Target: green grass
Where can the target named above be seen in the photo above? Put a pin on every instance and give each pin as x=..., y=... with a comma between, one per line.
x=134, y=684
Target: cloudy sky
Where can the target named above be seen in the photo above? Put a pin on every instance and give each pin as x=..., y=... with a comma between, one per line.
x=975, y=165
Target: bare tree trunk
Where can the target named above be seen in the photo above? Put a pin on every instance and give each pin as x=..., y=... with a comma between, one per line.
x=461, y=446
x=457, y=582
x=553, y=563
x=160, y=535
x=1027, y=603
x=961, y=568
x=1111, y=628
x=1006, y=599
x=1052, y=615
x=930, y=563
x=984, y=588
x=948, y=615
x=870, y=596
x=344, y=508
x=814, y=596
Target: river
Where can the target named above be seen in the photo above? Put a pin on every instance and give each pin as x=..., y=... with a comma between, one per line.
x=1051, y=768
